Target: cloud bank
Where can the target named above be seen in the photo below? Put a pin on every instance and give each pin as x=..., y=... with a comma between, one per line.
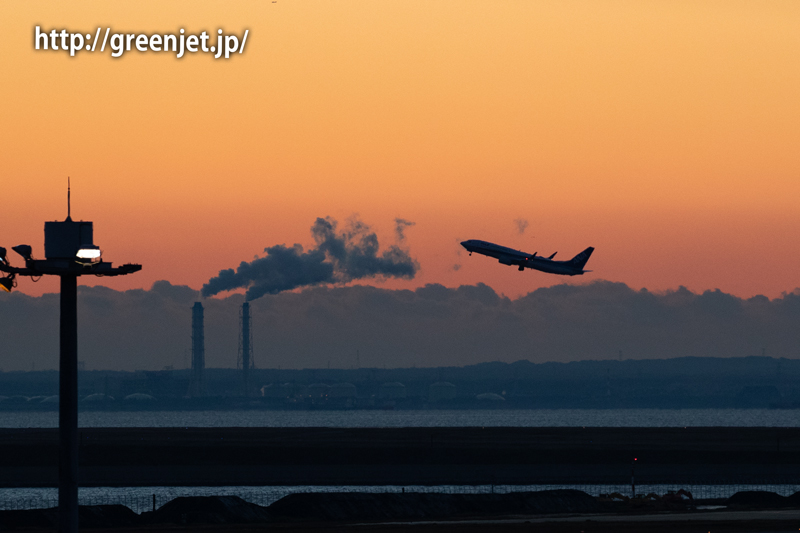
x=430, y=326
x=338, y=257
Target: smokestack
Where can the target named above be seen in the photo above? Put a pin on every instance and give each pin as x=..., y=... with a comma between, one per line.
x=196, y=383
x=245, y=360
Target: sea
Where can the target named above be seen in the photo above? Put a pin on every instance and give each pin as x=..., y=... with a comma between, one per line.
x=417, y=418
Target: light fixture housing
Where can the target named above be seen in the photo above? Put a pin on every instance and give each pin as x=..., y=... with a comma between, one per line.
x=7, y=283
x=24, y=250
x=3, y=257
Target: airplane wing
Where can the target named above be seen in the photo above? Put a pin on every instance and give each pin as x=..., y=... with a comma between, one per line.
x=510, y=260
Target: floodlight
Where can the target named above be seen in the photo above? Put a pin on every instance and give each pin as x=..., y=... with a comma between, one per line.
x=88, y=254
x=3, y=258
x=7, y=283
x=24, y=250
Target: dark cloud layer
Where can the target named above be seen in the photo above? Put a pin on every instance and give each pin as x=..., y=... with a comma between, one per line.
x=339, y=257
x=431, y=326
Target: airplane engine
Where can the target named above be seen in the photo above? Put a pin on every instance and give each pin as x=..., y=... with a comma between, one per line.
x=506, y=261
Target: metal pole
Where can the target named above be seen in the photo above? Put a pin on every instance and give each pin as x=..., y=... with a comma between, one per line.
x=68, y=408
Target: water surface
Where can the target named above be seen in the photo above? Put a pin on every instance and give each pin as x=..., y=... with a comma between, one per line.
x=421, y=418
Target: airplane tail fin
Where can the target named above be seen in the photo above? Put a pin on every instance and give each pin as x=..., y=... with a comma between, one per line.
x=579, y=261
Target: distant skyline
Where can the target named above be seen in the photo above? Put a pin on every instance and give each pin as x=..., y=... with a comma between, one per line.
x=663, y=134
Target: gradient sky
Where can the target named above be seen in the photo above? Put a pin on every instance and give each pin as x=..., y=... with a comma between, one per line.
x=665, y=134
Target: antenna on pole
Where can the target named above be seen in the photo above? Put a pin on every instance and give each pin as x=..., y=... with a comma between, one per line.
x=69, y=202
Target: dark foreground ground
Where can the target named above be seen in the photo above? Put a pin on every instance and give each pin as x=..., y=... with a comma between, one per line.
x=754, y=524
x=558, y=511
x=405, y=456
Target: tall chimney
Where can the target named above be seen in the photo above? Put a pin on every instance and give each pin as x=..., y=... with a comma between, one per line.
x=245, y=359
x=196, y=383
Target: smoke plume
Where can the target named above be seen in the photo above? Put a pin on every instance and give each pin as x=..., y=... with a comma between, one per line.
x=400, y=228
x=522, y=225
x=339, y=257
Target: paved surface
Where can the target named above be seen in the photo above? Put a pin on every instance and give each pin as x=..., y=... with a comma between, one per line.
x=405, y=456
x=718, y=522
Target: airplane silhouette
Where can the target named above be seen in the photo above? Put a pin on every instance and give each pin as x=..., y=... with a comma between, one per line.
x=509, y=256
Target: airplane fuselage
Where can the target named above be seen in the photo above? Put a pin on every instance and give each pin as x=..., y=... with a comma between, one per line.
x=523, y=260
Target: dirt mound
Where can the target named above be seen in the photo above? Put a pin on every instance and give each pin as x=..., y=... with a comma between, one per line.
x=28, y=518
x=757, y=498
x=208, y=510
x=417, y=506
x=89, y=516
x=560, y=501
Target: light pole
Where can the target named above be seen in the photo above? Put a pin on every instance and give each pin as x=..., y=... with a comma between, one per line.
x=69, y=253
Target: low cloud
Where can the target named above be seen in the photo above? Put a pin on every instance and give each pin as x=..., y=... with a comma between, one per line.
x=430, y=326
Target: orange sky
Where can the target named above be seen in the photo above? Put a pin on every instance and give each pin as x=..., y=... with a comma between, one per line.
x=665, y=134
